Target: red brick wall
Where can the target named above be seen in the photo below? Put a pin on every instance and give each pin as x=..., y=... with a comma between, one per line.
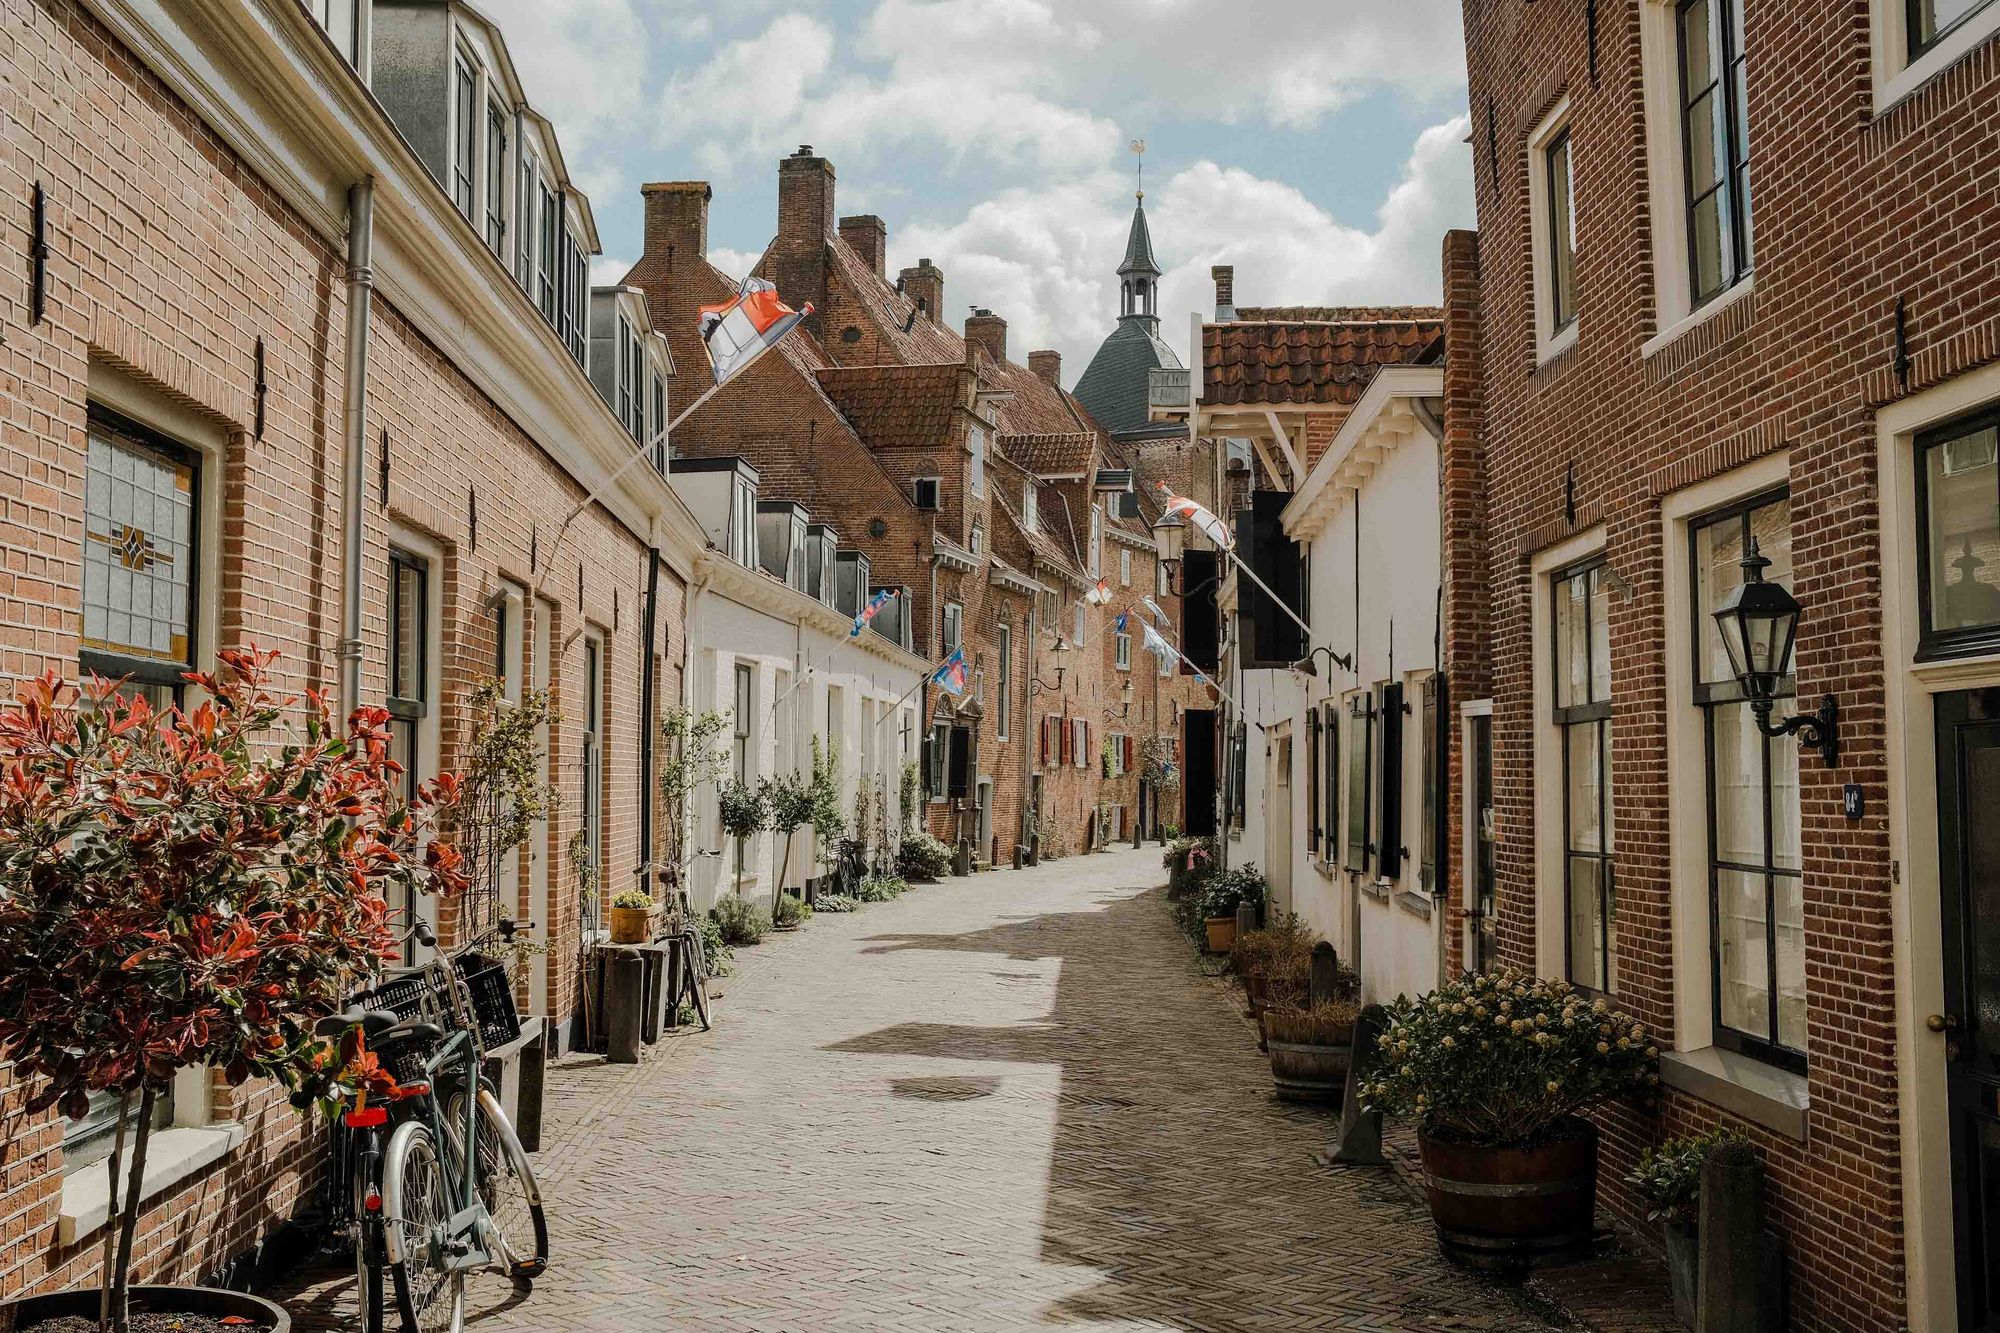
x=168, y=264
x=1462, y=518
x=1853, y=212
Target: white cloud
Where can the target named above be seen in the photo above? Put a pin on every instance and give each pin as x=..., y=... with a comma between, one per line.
x=584, y=64
x=746, y=96
x=1044, y=258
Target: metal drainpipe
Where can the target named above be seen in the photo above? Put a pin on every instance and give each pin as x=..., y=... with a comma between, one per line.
x=648, y=685
x=354, y=420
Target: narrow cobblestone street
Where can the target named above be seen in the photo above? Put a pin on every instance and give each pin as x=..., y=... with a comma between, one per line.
x=1004, y=1103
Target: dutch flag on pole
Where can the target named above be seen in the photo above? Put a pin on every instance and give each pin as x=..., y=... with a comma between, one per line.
x=1207, y=524
x=951, y=676
x=868, y=612
x=734, y=332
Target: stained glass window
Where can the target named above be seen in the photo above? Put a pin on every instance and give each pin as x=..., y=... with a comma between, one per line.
x=139, y=557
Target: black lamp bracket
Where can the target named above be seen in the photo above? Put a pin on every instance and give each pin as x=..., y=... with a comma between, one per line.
x=1818, y=730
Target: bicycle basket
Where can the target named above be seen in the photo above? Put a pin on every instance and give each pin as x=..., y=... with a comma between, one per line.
x=492, y=993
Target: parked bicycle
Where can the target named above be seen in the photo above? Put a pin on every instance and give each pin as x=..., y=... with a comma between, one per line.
x=441, y=1185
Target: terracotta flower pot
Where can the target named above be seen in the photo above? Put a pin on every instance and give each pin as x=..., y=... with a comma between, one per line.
x=630, y=925
x=1221, y=933
x=1511, y=1208
x=214, y=1302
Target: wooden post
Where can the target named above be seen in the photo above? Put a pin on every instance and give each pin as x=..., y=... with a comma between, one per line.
x=1741, y=1284
x=1360, y=1142
x=1324, y=986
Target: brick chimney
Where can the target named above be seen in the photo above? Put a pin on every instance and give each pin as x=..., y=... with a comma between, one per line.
x=868, y=236
x=1225, y=291
x=924, y=284
x=805, y=227
x=1048, y=365
x=676, y=220
x=987, y=329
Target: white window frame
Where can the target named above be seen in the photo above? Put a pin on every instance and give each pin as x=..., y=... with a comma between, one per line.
x=1031, y=507
x=951, y=628
x=1124, y=568
x=1551, y=918
x=465, y=67
x=1082, y=623
x=1004, y=699
x=1674, y=312
x=1549, y=341
x=975, y=467
x=1122, y=651
x=1896, y=76
x=1096, y=539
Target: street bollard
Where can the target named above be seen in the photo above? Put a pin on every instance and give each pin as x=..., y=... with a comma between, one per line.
x=1323, y=985
x=1246, y=919
x=624, y=1004
x=1360, y=1142
x=1740, y=1288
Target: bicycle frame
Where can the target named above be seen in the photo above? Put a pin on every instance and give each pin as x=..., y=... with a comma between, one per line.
x=468, y=1209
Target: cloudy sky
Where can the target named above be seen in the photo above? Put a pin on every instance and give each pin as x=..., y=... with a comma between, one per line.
x=1315, y=144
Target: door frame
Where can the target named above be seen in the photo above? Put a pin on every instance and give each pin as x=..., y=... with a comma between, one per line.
x=1278, y=819
x=1909, y=727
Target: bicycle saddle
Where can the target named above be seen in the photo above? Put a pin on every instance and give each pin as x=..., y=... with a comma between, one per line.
x=372, y=1022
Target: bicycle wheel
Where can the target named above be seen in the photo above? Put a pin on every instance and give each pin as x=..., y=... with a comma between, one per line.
x=506, y=1186
x=416, y=1218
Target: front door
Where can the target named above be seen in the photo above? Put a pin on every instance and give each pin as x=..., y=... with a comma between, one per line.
x=1968, y=751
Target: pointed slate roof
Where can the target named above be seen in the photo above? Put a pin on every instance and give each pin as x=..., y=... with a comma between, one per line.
x=1113, y=387
x=1139, y=246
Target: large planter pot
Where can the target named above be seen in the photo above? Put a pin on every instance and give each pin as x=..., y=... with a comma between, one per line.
x=1221, y=933
x=211, y=1301
x=1683, y=1267
x=629, y=925
x=1308, y=1073
x=1511, y=1208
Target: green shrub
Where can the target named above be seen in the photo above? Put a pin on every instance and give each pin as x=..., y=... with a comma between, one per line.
x=738, y=922
x=1668, y=1177
x=790, y=911
x=923, y=858
x=882, y=888
x=836, y=902
x=1506, y=1058
x=721, y=958
x=745, y=810
x=1222, y=894
x=634, y=898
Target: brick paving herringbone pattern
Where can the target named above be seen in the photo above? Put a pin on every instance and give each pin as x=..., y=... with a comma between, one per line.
x=1009, y=1102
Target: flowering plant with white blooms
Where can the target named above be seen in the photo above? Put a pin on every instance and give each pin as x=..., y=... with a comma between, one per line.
x=1506, y=1058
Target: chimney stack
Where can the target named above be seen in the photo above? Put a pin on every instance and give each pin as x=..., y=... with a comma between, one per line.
x=1048, y=365
x=987, y=329
x=868, y=236
x=677, y=220
x=924, y=284
x=1225, y=291
x=805, y=227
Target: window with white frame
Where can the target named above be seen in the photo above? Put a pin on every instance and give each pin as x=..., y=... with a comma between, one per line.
x=1581, y=640
x=591, y=758
x=1122, y=650
x=464, y=132
x=975, y=465
x=1360, y=743
x=954, y=628
x=341, y=19
x=1916, y=40
x=1031, y=512
x=739, y=719
x=1756, y=905
x=1082, y=617
x=1080, y=741
x=1125, y=569
x=1096, y=539
x=1958, y=509
x=550, y=212
x=526, y=224
x=627, y=372
x=496, y=179
x=1005, y=698
x=1552, y=210
x=1715, y=145
x=1928, y=22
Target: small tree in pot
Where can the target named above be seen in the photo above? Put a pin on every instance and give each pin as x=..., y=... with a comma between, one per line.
x=790, y=798
x=194, y=888
x=1222, y=894
x=1496, y=1068
x=745, y=812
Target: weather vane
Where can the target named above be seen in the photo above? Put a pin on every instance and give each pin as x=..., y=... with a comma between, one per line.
x=1139, y=152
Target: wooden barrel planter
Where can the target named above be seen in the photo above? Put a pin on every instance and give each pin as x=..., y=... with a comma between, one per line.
x=1512, y=1208
x=1309, y=1073
x=258, y=1314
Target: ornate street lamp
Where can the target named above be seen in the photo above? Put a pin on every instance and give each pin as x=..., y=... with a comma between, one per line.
x=1125, y=696
x=1170, y=540
x=1305, y=666
x=1036, y=685
x=1759, y=622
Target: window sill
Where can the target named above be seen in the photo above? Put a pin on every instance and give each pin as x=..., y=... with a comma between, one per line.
x=1375, y=889
x=1760, y=1093
x=1954, y=47
x=1703, y=313
x=172, y=1155
x=1551, y=348
x=1416, y=904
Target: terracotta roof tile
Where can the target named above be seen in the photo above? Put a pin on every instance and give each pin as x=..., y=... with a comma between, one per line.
x=1333, y=314
x=1308, y=361
x=916, y=341
x=1065, y=455
x=896, y=406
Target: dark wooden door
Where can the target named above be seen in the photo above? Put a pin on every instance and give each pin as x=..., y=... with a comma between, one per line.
x=1198, y=779
x=1968, y=752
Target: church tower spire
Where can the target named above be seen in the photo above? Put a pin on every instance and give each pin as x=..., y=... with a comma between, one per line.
x=1139, y=274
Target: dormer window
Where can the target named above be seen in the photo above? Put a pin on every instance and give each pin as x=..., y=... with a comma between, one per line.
x=743, y=522
x=628, y=346
x=821, y=541
x=496, y=179
x=975, y=469
x=465, y=132
x=341, y=19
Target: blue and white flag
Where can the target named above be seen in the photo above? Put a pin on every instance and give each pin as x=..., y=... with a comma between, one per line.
x=868, y=612
x=951, y=676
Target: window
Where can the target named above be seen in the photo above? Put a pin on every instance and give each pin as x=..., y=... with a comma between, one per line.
x=1005, y=696
x=975, y=467
x=658, y=426
x=340, y=18
x=545, y=272
x=464, y=132
x=1081, y=617
x=525, y=228
x=743, y=522
x=1388, y=781
x=1122, y=647
x=1031, y=507
x=1583, y=720
x=1360, y=739
x=935, y=754
x=1237, y=782
x=1096, y=540
x=1125, y=569
x=1958, y=512
x=141, y=558
x=1928, y=20
x=1431, y=761
x=627, y=372
x=592, y=815
x=954, y=628
x=1080, y=741
x=496, y=179
x=409, y=664
x=927, y=492
x=740, y=719
x=1715, y=144
x=1330, y=791
x=1756, y=908
x=1560, y=276
x=1312, y=782
x=637, y=416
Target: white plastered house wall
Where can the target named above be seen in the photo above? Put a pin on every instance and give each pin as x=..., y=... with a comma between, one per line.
x=1370, y=510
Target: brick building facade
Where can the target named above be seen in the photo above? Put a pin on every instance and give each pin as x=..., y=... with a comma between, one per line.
x=1668, y=364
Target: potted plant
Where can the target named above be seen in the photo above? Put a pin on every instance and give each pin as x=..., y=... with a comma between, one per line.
x=1496, y=1068
x=745, y=812
x=1668, y=1178
x=1222, y=895
x=1187, y=860
x=790, y=799
x=631, y=916
x=1311, y=1047
x=1282, y=951
x=194, y=888
x=923, y=859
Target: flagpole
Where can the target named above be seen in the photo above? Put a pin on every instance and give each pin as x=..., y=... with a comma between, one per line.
x=1199, y=676
x=1247, y=573
x=598, y=491
x=807, y=674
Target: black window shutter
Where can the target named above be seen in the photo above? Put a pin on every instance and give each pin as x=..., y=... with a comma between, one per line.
x=1389, y=842
x=1312, y=766
x=1198, y=618
x=960, y=757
